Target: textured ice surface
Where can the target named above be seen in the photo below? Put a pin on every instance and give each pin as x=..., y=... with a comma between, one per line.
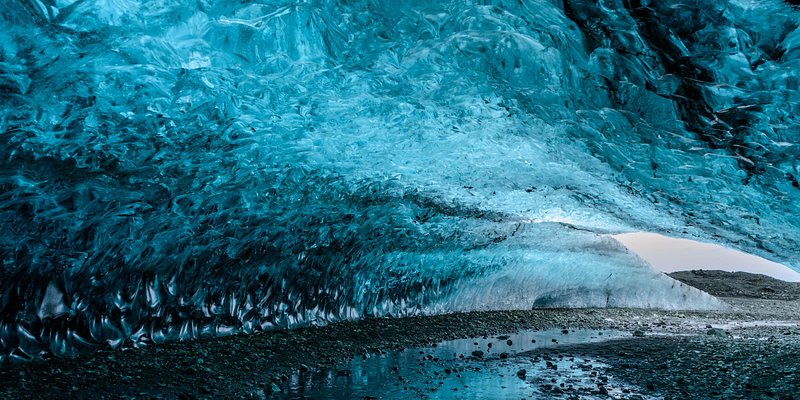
x=177, y=169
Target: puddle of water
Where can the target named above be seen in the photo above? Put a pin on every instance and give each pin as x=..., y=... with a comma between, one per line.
x=478, y=368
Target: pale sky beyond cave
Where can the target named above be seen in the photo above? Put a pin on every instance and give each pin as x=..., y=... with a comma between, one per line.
x=669, y=254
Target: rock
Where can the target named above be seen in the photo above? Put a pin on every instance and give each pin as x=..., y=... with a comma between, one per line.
x=509, y=342
x=717, y=332
x=272, y=388
x=503, y=355
x=638, y=333
x=477, y=354
x=522, y=373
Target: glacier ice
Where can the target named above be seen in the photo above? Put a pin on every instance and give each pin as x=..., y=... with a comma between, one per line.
x=181, y=169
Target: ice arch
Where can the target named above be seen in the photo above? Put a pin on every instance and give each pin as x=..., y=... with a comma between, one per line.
x=175, y=169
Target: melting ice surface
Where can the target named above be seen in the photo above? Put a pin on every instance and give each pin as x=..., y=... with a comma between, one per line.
x=180, y=169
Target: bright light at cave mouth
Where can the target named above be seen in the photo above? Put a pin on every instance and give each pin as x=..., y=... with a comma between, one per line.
x=670, y=254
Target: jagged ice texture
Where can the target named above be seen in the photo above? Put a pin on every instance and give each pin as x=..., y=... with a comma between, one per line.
x=180, y=169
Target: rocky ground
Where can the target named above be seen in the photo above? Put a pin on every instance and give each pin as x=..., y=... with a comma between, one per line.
x=749, y=351
x=719, y=366
x=739, y=284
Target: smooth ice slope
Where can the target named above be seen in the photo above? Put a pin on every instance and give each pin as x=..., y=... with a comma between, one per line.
x=176, y=169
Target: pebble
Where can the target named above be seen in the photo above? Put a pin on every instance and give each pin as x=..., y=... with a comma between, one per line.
x=717, y=332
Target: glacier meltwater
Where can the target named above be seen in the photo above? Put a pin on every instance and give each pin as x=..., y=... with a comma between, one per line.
x=174, y=169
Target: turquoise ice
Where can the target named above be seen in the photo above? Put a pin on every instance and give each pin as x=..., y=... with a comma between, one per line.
x=181, y=169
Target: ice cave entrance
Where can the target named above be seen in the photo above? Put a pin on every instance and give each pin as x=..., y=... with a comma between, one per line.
x=669, y=255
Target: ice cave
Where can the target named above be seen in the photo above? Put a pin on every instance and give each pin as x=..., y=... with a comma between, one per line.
x=183, y=169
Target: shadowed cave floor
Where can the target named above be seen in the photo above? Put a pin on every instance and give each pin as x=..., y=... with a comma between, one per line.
x=750, y=351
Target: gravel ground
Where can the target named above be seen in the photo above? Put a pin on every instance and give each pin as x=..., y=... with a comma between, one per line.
x=700, y=367
x=749, y=351
x=739, y=284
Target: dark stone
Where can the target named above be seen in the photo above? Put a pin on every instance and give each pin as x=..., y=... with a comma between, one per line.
x=717, y=332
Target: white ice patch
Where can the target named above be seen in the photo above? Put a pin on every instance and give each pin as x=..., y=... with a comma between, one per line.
x=52, y=303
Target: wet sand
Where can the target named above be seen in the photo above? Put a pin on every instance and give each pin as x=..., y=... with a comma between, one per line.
x=749, y=351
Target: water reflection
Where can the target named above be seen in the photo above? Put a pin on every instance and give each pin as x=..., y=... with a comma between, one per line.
x=499, y=367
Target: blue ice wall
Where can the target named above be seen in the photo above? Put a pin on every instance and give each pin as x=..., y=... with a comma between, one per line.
x=179, y=169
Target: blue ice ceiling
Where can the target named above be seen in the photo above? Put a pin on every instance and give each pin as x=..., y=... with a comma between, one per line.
x=180, y=169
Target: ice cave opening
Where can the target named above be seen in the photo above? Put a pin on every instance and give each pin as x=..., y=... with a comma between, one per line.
x=181, y=169
x=669, y=254
x=177, y=170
